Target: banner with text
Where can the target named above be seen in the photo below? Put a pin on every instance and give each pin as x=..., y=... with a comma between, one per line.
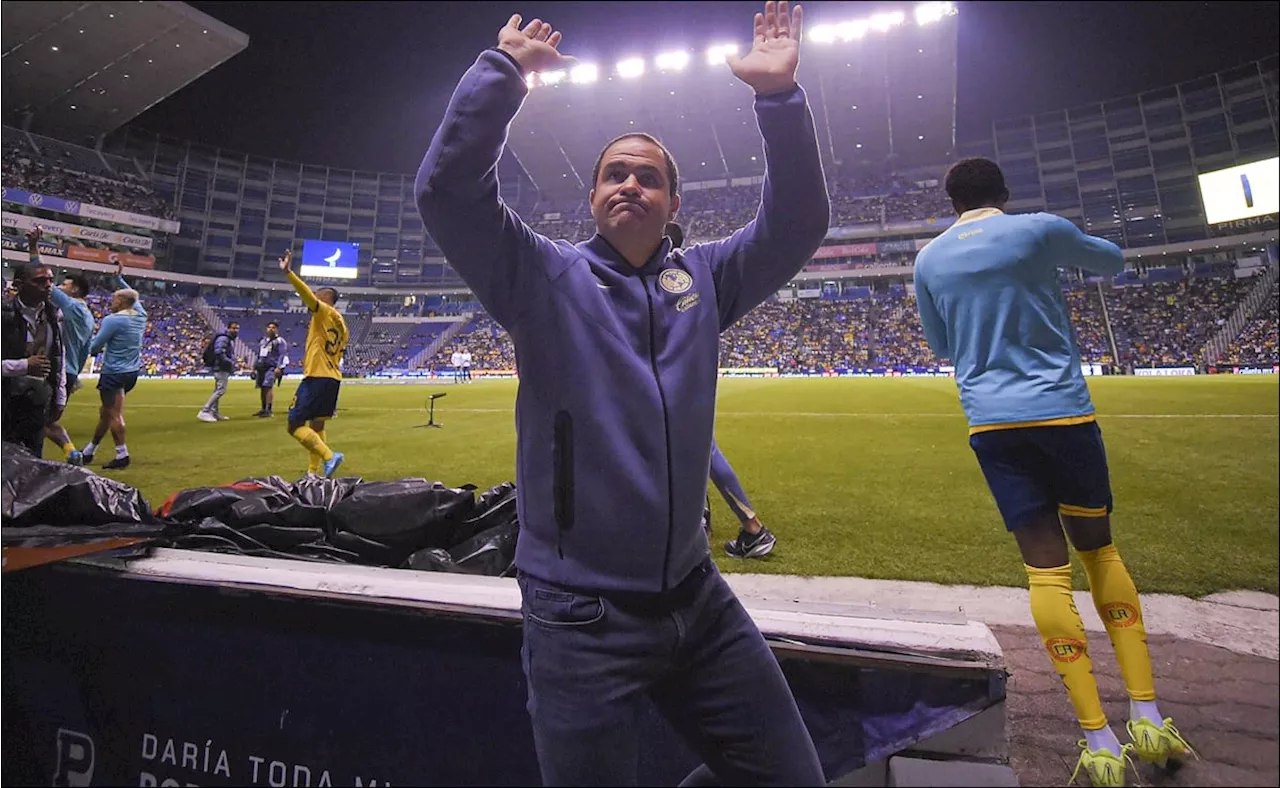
x=20, y=245
x=845, y=250
x=895, y=247
x=918, y=225
x=77, y=208
x=23, y=222
x=75, y=252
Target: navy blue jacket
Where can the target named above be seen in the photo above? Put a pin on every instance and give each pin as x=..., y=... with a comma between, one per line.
x=618, y=365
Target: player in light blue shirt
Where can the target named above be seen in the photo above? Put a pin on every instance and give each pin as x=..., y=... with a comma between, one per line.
x=990, y=300
x=120, y=336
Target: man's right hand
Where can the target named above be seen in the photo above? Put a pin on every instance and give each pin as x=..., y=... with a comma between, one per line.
x=534, y=47
x=286, y=261
x=37, y=366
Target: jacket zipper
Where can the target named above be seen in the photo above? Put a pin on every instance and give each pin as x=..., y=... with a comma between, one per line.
x=666, y=433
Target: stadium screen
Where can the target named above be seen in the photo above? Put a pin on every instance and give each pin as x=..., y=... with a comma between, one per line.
x=330, y=259
x=1241, y=192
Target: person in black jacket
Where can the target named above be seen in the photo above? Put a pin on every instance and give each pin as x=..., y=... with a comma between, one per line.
x=34, y=380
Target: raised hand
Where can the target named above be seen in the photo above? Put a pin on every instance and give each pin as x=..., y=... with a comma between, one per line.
x=33, y=237
x=770, y=66
x=534, y=47
x=286, y=261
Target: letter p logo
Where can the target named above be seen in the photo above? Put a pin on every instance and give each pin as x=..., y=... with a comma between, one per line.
x=75, y=760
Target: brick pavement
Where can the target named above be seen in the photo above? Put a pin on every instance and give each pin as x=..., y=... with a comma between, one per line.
x=1226, y=704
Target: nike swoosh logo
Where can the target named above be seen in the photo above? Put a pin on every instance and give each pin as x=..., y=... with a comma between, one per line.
x=604, y=287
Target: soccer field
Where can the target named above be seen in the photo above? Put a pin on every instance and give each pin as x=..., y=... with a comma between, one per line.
x=865, y=477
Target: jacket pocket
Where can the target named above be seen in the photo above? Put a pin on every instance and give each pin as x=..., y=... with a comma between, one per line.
x=562, y=470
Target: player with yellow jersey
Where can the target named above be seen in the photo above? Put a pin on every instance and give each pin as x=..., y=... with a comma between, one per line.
x=317, y=397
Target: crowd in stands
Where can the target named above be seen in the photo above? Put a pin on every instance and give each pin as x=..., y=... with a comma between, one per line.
x=62, y=176
x=709, y=214
x=489, y=345
x=1258, y=342
x=1168, y=323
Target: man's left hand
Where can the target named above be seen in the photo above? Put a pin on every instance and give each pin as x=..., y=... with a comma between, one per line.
x=33, y=237
x=770, y=66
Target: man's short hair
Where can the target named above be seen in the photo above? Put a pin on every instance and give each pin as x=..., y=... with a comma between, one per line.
x=23, y=272
x=333, y=290
x=233, y=324
x=271, y=323
x=80, y=282
x=976, y=182
x=128, y=294
x=673, y=172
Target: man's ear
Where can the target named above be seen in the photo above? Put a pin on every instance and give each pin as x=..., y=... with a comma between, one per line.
x=675, y=208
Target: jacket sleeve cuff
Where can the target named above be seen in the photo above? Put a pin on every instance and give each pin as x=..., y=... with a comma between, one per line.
x=509, y=59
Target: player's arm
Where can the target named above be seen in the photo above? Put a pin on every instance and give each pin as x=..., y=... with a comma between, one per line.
x=496, y=254
x=105, y=332
x=1071, y=247
x=309, y=299
x=935, y=329
x=794, y=211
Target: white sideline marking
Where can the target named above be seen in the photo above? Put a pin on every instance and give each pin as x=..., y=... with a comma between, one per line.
x=756, y=413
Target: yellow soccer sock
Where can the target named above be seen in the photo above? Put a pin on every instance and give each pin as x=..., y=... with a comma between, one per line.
x=314, y=464
x=313, y=442
x=68, y=447
x=1062, y=631
x=1116, y=598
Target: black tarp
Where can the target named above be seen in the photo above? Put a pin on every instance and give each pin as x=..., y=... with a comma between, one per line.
x=409, y=523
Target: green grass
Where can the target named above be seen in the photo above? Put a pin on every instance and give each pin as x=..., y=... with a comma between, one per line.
x=866, y=477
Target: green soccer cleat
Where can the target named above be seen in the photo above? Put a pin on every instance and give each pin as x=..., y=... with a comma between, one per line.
x=1158, y=744
x=1103, y=767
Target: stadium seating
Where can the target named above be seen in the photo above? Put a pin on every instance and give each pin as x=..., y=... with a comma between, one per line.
x=61, y=169
x=1258, y=341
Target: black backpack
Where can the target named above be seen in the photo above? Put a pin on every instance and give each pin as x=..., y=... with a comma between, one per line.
x=210, y=357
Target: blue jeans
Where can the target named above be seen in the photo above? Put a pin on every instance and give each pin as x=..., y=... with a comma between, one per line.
x=695, y=652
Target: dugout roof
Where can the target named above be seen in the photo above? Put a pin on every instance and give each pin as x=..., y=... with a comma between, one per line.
x=84, y=69
x=887, y=97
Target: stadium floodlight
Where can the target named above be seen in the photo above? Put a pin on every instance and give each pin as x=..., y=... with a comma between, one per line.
x=822, y=34
x=852, y=31
x=630, y=68
x=672, y=61
x=551, y=77
x=882, y=22
x=581, y=75
x=928, y=13
x=717, y=54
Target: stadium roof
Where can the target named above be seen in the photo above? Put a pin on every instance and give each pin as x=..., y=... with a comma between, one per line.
x=79, y=70
x=882, y=90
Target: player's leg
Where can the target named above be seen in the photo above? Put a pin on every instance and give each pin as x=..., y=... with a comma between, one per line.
x=729, y=700
x=117, y=428
x=108, y=386
x=754, y=540
x=56, y=433
x=1085, y=502
x=1018, y=474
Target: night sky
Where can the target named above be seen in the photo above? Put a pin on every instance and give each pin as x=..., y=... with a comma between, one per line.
x=363, y=85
